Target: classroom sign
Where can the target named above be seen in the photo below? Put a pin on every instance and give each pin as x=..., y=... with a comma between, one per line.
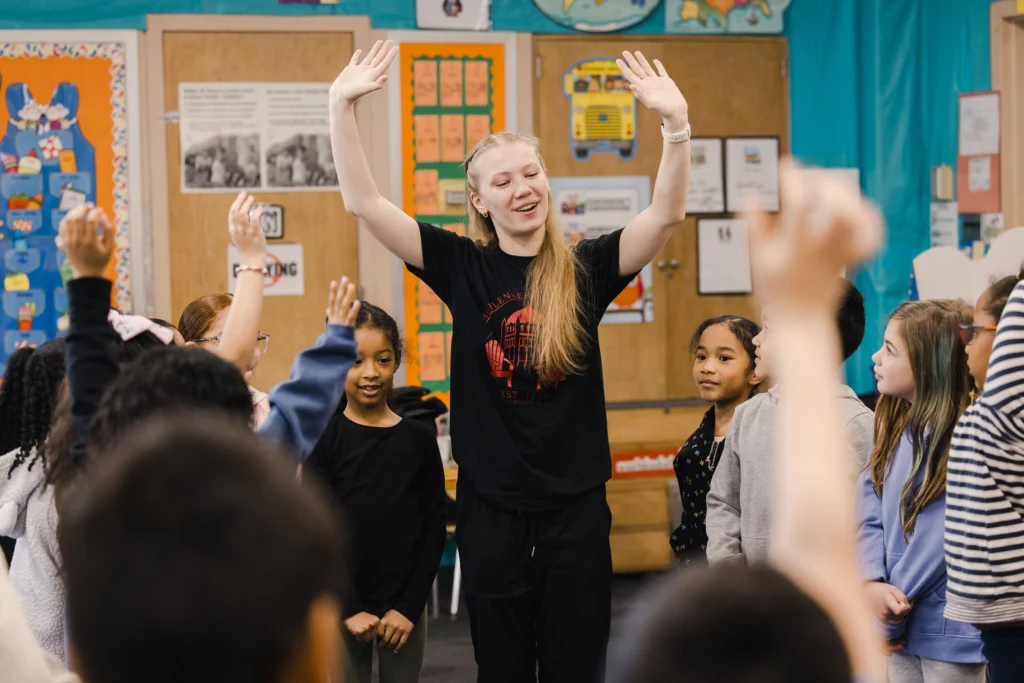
x=286, y=270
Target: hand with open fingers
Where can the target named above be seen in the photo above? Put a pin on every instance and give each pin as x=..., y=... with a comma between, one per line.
x=824, y=227
x=342, y=306
x=655, y=89
x=245, y=231
x=887, y=603
x=87, y=237
x=393, y=631
x=363, y=75
x=362, y=626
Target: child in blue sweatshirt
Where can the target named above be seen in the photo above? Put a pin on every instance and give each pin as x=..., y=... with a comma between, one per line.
x=925, y=386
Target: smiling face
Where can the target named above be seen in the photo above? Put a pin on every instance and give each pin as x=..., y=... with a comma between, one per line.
x=721, y=367
x=371, y=377
x=510, y=187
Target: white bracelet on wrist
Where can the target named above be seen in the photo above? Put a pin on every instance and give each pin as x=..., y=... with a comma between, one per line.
x=253, y=269
x=681, y=136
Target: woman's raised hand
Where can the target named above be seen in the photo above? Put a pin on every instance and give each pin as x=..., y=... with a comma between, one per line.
x=363, y=76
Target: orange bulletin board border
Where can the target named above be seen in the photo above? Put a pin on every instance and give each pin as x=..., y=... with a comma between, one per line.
x=448, y=103
x=104, y=69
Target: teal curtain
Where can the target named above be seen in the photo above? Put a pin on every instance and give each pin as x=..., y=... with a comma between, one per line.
x=874, y=84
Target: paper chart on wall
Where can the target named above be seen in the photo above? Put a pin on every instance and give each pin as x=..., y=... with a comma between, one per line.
x=255, y=136
x=979, y=124
x=707, y=181
x=752, y=171
x=723, y=257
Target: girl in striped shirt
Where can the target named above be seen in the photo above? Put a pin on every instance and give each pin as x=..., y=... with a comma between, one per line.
x=985, y=486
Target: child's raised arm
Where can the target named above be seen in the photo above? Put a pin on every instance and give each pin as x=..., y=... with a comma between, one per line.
x=301, y=406
x=87, y=237
x=243, y=323
x=824, y=227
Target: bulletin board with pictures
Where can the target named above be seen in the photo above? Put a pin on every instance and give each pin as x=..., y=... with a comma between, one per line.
x=452, y=96
x=70, y=97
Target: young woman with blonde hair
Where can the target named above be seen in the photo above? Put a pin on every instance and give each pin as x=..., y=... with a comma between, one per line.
x=530, y=432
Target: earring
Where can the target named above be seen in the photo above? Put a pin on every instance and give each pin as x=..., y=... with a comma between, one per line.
x=484, y=214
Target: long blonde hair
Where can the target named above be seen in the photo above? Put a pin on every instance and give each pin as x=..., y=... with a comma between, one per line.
x=942, y=385
x=553, y=288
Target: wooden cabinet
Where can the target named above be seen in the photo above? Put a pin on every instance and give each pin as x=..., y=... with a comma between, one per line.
x=640, y=524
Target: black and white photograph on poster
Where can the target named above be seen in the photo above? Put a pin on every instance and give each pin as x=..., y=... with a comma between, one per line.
x=298, y=137
x=255, y=136
x=220, y=136
x=302, y=161
x=223, y=162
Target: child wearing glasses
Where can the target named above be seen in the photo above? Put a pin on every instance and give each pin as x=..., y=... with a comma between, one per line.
x=985, y=504
x=204, y=321
x=981, y=334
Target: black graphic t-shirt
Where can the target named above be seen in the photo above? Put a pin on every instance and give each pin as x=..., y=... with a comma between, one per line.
x=522, y=443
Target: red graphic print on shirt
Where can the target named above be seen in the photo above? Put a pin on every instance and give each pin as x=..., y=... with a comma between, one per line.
x=512, y=350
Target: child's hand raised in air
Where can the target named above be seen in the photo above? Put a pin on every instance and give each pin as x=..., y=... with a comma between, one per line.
x=824, y=227
x=365, y=76
x=342, y=306
x=246, y=232
x=362, y=626
x=87, y=237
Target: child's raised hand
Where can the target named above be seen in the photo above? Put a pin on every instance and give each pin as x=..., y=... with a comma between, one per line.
x=246, y=232
x=824, y=227
x=342, y=306
x=87, y=237
x=362, y=626
x=364, y=76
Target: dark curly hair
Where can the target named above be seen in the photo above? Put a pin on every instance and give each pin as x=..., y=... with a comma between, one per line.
x=11, y=390
x=44, y=375
x=998, y=294
x=143, y=349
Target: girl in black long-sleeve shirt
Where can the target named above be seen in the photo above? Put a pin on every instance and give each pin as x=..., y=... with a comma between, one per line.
x=385, y=475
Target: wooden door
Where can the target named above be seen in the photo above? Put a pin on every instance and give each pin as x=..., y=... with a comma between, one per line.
x=735, y=86
x=198, y=222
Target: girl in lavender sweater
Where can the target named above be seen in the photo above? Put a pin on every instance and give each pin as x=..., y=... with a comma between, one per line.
x=925, y=386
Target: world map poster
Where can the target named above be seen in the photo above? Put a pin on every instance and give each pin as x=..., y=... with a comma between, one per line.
x=452, y=96
x=724, y=16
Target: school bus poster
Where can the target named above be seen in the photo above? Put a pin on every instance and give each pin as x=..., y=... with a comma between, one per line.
x=602, y=109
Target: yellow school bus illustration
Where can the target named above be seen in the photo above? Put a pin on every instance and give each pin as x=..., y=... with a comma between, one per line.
x=603, y=109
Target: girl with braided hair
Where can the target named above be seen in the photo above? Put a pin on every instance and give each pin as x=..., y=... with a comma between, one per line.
x=10, y=416
x=26, y=502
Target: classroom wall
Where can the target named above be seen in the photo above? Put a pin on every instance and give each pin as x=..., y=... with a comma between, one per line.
x=873, y=85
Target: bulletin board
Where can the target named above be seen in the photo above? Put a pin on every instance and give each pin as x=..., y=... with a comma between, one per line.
x=451, y=95
x=66, y=140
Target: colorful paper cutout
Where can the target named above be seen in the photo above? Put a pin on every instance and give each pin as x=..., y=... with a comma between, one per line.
x=428, y=139
x=453, y=140
x=477, y=83
x=426, y=192
x=451, y=83
x=16, y=282
x=478, y=126
x=425, y=82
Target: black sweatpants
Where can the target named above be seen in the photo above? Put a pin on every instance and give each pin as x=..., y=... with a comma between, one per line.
x=1004, y=650
x=538, y=589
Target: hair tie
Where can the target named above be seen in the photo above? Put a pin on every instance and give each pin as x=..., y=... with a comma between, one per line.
x=130, y=326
